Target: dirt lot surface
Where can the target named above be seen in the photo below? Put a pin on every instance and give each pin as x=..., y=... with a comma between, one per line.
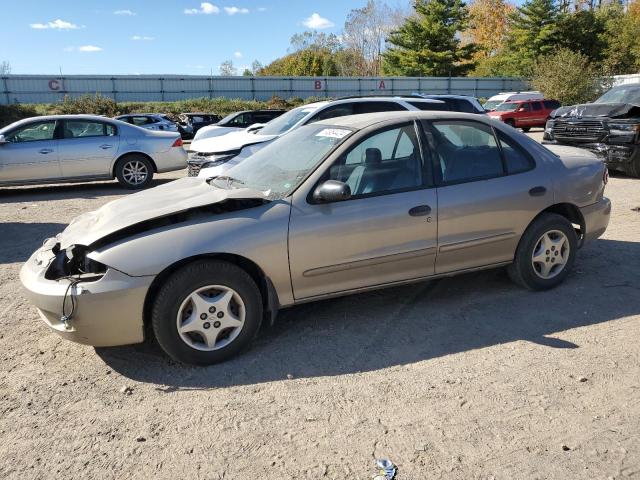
x=466, y=378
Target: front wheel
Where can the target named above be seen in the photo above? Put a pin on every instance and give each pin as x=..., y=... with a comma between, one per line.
x=510, y=122
x=134, y=172
x=206, y=312
x=526, y=129
x=545, y=254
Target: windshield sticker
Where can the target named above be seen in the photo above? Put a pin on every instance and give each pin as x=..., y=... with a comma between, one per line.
x=333, y=133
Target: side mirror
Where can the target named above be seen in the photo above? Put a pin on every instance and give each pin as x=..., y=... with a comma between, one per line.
x=332, y=191
x=3, y=140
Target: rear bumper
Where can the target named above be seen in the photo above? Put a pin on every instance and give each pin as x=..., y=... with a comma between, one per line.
x=596, y=218
x=173, y=159
x=109, y=311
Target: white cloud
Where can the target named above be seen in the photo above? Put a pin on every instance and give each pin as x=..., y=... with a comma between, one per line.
x=262, y=9
x=128, y=13
x=234, y=10
x=144, y=38
x=83, y=48
x=206, y=8
x=317, y=22
x=237, y=54
x=56, y=25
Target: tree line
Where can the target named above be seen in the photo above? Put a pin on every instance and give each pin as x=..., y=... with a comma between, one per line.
x=482, y=38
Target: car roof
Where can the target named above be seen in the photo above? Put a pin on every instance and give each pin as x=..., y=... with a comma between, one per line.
x=446, y=95
x=384, y=98
x=359, y=122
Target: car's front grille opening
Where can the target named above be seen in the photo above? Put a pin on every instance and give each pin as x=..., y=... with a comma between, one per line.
x=582, y=129
x=193, y=170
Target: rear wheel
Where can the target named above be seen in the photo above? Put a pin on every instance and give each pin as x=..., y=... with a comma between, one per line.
x=206, y=312
x=134, y=172
x=545, y=254
x=634, y=167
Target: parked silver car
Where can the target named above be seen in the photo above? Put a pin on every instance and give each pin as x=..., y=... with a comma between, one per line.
x=80, y=148
x=150, y=121
x=336, y=207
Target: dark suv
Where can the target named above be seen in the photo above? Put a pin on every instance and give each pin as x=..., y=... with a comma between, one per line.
x=247, y=118
x=609, y=127
x=190, y=123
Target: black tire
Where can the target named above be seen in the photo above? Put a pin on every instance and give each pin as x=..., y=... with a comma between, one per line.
x=526, y=129
x=124, y=171
x=185, y=281
x=510, y=122
x=633, y=169
x=522, y=271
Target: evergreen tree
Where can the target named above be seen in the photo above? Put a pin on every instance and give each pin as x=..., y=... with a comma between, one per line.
x=532, y=33
x=428, y=43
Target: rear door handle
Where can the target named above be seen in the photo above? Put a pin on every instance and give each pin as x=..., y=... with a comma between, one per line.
x=420, y=211
x=537, y=191
x=105, y=146
x=44, y=151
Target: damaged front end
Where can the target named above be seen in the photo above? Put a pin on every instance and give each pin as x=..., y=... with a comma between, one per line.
x=73, y=262
x=611, y=131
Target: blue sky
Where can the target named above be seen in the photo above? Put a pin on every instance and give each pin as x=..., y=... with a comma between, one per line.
x=161, y=36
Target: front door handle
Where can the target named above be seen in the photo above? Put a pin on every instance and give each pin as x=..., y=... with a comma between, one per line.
x=420, y=211
x=44, y=151
x=106, y=147
x=537, y=191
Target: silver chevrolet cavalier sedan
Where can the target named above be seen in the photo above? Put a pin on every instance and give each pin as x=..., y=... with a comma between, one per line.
x=340, y=206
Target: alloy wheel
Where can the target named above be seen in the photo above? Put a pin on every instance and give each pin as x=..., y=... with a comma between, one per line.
x=211, y=317
x=135, y=172
x=550, y=254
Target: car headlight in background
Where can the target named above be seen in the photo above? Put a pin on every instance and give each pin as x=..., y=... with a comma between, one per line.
x=548, y=128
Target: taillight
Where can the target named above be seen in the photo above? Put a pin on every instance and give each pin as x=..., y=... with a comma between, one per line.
x=177, y=143
x=605, y=175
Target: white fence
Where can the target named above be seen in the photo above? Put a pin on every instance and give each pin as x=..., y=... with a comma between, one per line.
x=622, y=79
x=146, y=88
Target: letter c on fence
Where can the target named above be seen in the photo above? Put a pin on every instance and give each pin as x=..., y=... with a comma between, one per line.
x=317, y=85
x=54, y=85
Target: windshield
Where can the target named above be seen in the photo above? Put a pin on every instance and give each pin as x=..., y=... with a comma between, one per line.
x=282, y=165
x=622, y=94
x=507, y=107
x=285, y=122
x=491, y=104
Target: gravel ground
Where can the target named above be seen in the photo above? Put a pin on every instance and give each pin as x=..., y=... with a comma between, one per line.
x=468, y=377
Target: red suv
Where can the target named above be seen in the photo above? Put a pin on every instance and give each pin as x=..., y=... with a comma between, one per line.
x=525, y=114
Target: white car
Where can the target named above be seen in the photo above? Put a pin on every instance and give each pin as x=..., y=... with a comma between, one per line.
x=499, y=99
x=212, y=156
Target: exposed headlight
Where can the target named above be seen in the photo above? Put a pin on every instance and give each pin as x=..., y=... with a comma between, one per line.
x=624, y=128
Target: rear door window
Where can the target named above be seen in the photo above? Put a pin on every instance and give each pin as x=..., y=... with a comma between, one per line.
x=464, y=151
x=536, y=106
x=373, y=107
x=334, y=111
x=551, y=104
x=431, y=106
x=516, y=158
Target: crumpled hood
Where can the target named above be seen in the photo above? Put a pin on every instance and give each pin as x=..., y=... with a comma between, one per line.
x=611, y=110
x=174, y=197
x=230, y=141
